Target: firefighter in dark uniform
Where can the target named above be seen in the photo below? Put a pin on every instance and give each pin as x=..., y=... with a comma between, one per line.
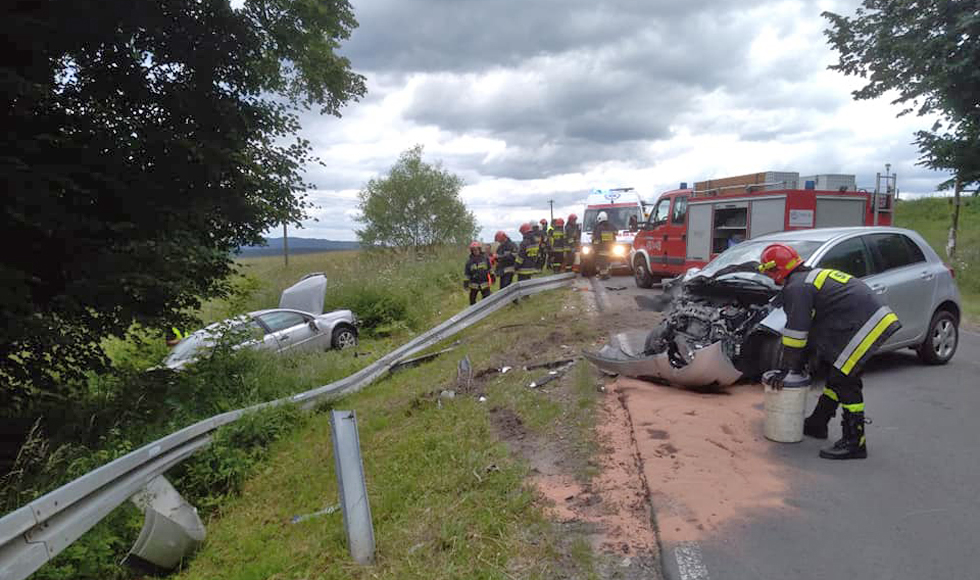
x=477, y=272
x=506, y=257
x=840, y=320
x=527, y=254
x=603, y=241
x=541, y=235
x=573, y=239
x=558, y=245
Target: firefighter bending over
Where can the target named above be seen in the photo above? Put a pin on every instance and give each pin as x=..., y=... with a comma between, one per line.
x=527, y=254
x=506, y=256
x=840, y=320
x=477, y=272
x=603, y=241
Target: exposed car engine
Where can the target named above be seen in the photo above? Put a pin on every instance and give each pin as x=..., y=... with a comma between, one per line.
x=705, y=311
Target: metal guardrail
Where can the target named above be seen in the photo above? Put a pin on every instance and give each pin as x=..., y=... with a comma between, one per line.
x=35, y=533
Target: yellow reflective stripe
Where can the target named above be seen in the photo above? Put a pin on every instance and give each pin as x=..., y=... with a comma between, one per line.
x=841, y=277
x=821, y=278
x=861, y=441
x=794, y=342
x=767, y=266
x=854, y=407
x=830, y=394
x=870, y=339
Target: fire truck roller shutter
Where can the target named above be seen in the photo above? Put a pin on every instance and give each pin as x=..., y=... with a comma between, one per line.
x=699, y=231
x=839, y=212
x=768, y=215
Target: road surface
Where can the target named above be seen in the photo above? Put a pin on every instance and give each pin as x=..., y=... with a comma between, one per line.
x=731, y=505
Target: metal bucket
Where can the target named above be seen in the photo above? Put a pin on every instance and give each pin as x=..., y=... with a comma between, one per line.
x=785, y=410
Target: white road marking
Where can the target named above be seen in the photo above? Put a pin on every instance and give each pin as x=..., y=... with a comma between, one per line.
x=689, y=562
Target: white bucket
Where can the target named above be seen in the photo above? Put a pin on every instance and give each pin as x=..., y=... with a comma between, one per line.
x=785, y=410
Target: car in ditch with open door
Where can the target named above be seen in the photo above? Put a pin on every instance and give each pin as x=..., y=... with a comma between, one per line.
x=722, y=323
x=293, y=327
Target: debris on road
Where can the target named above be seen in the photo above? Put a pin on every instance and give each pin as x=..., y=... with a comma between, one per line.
x=615, y=288
x=552, y=375
x=323, y=512
x=549, y=365
x=464, y=374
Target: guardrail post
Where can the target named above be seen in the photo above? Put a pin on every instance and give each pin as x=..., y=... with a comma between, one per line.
x=171, y=530
x=353, y=490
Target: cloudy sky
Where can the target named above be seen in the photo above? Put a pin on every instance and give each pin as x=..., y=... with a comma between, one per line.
x=531, y=100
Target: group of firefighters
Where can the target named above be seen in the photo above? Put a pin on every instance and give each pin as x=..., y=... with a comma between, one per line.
x=543, y=247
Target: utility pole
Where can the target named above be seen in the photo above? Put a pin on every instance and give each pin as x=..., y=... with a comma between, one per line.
x=285, y=246
x=551, y=204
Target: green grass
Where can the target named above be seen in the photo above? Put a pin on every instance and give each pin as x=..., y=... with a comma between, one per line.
x=931, y=217
x=447, y=498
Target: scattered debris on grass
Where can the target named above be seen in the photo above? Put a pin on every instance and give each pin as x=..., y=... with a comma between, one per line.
x=324, y=512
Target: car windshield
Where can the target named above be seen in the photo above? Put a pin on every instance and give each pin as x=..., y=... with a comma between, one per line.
x=190, y=347
x=618, y=217
x=752, y=251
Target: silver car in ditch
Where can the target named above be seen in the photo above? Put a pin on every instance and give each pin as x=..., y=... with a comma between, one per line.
x=723, y=322
x=293, y=327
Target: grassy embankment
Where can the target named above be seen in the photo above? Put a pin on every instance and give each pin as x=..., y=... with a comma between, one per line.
x=931, y=218
x=116, y=413
x=448, y=500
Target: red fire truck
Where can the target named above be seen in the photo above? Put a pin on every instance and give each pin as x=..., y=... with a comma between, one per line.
x=688, y=227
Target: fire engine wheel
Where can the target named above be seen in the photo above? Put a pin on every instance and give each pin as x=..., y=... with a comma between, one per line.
x=641, y=273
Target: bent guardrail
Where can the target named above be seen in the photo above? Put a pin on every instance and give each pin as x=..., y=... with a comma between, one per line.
x=35, y=533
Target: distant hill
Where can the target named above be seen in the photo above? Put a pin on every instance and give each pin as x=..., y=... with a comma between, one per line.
x=297, y=246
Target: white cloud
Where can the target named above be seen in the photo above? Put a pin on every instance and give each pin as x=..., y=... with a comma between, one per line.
x=544, y=100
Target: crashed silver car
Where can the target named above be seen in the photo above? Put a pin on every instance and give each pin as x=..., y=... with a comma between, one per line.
x=724, y=322
x=292, y=327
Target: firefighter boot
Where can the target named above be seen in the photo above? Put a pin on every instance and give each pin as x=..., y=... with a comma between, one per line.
x=816, y=424
x=852, y=444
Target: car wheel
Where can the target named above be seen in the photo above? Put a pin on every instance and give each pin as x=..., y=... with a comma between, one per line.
x=343, y=337
x=941, y=340
x=641, y=273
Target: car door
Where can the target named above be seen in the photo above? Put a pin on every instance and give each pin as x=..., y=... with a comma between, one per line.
x=675, y=247
x=904, y=281
x=260, y=337
x=656, y=235
x=291, y=329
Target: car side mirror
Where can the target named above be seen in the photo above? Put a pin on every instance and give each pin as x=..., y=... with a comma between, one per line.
x=313, y=326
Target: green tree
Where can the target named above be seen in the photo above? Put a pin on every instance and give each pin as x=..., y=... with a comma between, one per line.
x=143, y=142
x=928, y=54
x=416, y=204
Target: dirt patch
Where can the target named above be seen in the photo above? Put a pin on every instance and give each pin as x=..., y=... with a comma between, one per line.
x=716, y=465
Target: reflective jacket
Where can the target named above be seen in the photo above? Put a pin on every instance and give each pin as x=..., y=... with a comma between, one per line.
x=604, y=236
x=477, y=272
x=506, y=257
x=573, y=235
x=836, y=315
x=528, y=255
x=558, y=240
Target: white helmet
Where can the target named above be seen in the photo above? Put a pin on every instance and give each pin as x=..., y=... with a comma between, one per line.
x=601, y=217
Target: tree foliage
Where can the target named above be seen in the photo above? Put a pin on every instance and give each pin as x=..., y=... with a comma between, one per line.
x=415, y=204
x=928, y=53
x=143, y=142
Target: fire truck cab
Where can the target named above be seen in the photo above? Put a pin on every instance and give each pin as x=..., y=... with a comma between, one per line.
x=689, y=226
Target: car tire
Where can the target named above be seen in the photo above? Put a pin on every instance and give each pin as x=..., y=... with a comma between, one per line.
x=942, y=338
x=343, y=337
x=641, y=274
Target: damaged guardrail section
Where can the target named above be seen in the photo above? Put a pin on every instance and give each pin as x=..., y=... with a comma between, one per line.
x=35, y=533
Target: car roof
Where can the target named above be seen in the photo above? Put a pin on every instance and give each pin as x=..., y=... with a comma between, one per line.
x=827, y=234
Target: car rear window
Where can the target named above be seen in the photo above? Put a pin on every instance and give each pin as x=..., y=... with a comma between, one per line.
x=894, y=251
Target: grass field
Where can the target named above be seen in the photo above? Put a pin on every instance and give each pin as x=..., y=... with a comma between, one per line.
x=447, y=499
x=931, y=218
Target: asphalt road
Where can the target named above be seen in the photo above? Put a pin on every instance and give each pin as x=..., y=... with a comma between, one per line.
x=909, y=511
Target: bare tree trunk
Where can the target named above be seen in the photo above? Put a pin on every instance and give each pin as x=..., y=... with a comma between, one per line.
x=951, y=242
